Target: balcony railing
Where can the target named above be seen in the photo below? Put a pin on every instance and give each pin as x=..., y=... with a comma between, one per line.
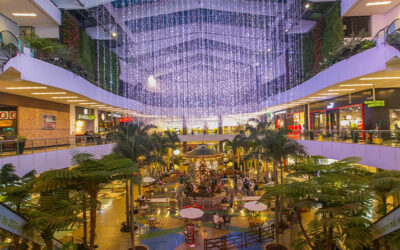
x=30, y=146
x=389, y=138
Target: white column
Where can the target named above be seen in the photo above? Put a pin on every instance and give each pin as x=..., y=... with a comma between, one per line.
x=96, y=121
x=72, y=119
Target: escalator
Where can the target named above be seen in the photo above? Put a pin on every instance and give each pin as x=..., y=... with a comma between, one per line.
x=8, y=47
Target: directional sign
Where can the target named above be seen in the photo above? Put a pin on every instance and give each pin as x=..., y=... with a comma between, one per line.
x=377, y=103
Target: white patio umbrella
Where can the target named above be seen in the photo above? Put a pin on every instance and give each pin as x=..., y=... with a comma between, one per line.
x=148, y=179
x=255, y=206
x=191, y=213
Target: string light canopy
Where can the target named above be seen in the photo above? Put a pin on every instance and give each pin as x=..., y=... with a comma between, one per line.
x=204, y=58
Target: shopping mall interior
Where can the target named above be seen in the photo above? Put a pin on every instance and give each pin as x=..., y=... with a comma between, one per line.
x=200, y=124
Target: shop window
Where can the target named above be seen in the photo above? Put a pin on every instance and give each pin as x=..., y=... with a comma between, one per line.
x=26, y=30
x=350, y=117
x=394, y=119
x=357, y=26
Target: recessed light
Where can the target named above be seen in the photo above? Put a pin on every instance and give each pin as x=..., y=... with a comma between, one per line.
x=379, y=3
x=16, y=88
x=335, y=90
x=76, y=100
x=88, y=103
x=49, y=93
x=64, y=97
x=356, y=85
x=24, y=14
x=380, y=78
x=329, y=94
x=98, y=105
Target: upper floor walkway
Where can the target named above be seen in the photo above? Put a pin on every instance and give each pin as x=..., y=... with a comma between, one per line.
x=376, y=149
x=52, y=153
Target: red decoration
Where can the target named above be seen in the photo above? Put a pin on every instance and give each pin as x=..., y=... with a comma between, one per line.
x=122, y=120
x=70, y=32
x=134, y=173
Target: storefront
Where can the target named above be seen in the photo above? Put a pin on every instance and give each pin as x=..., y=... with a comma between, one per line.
x=338, y=118
x=84, y=121
x=293, y=119
x=108, y=121
x=8, y=122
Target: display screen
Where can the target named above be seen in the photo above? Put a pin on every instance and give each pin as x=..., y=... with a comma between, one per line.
x=49, y=122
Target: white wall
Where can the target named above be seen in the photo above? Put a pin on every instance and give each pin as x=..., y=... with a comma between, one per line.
x=7, y=24
x=380, y=21
x=47, y=31
x=57, y=159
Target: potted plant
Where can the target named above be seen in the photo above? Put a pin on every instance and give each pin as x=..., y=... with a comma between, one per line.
x=20, y=144
x=354, y=132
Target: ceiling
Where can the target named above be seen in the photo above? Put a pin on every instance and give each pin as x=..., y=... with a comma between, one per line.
x=205, y=54
x=12, y=79
x=360, y=8
x=7, y=7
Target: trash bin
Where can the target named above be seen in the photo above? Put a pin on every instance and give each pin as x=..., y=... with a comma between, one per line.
x=370, y=135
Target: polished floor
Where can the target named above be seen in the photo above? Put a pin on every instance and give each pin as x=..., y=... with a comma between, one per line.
x=169, y=230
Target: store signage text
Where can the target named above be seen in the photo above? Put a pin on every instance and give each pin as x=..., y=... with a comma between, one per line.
x=8, y=115
x=387, y=224
x=115, y=115
x=377, y=103
x=125, y=120
x=280, y=112
x=86, y=117
x=331, y=105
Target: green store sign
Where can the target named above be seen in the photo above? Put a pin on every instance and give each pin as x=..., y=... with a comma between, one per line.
x=377, y=103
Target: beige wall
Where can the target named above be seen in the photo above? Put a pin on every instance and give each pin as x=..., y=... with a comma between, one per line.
x=30, y=123
x=30, y=116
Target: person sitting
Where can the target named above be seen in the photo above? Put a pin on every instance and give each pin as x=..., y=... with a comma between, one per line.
x=216, y=220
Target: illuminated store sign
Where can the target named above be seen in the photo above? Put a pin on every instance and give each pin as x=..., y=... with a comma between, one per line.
x=331, y=105
x=377, y=103
x=86, y=117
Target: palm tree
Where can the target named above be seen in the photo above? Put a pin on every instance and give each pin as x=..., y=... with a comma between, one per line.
x=7, y=175
x=55, y=211
x=385, y=184
x=235, y=145
x=90, y=176
x=340, y=195
x=16, y=191
x=172, y=143
x=159, y=149
x=278, y=147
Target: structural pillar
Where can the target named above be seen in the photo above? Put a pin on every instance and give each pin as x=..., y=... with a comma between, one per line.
x=72, y=121
x=96, y=120
x=220, y=132
x=184, y=132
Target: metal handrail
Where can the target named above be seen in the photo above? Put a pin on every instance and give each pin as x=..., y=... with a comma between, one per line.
x=21, y=146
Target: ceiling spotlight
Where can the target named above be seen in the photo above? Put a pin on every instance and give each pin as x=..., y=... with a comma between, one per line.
x=64, y=97
x=151, y=82
x=378, y=3
x=24, y=14
x=49, y=93
x=26, y=88
x=307, y=5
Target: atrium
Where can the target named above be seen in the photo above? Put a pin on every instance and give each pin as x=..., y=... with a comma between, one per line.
x=199, y=124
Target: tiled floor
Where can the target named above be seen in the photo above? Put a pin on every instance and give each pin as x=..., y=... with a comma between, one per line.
x=169, y=232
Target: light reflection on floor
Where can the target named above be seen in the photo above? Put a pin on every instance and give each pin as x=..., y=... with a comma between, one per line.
x=168, y=233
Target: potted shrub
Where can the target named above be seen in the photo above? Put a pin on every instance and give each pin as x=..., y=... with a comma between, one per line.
x=20, y=144
x=354, y=132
